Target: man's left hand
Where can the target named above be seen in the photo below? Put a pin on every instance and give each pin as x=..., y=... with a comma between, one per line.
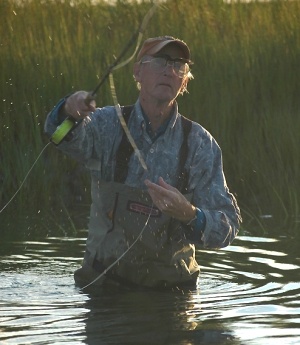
x=170, y=201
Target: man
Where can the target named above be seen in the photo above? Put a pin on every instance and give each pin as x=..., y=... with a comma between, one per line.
x=144, y=222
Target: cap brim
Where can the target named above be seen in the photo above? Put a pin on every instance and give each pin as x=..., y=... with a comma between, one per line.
x=161, y=45
x=153, y=47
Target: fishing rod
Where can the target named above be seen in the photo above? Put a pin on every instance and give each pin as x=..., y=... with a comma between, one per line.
x=64, y=131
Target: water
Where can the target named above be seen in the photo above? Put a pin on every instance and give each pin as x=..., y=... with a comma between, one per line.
x=249, y=293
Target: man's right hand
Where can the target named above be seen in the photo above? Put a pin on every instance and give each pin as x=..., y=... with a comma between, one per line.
x=79, y=105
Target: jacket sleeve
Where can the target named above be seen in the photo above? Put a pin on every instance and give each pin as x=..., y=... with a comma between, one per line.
x=211, y=193
x=92, y=139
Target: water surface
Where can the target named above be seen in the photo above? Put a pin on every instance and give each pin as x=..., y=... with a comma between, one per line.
x=249, y=292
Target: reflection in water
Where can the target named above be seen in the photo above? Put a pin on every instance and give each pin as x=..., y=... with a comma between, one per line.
x=145, y=317
x=249, y=293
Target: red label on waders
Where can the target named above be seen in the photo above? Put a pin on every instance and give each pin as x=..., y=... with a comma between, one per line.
x=136, y=207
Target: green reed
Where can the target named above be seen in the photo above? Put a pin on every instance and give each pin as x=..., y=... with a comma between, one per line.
x=245, y=91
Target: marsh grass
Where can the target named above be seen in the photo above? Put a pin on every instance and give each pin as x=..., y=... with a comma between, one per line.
x=245, y=91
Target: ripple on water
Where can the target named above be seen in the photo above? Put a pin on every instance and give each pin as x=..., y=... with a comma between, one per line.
x=249, y=291
x=260, y=293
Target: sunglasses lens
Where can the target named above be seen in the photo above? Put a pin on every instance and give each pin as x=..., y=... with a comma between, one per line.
x=159, y=64
x=181, y=69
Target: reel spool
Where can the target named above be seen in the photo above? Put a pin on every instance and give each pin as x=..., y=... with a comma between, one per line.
x=64, y=131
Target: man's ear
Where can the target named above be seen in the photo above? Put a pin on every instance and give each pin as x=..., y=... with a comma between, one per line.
x=136, y=71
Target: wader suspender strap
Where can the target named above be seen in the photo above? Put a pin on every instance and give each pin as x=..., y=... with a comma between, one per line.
x=125, y=151
x=182, y=185
x=183, y=153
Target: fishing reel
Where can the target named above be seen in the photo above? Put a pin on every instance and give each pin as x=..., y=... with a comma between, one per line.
x=64, y=131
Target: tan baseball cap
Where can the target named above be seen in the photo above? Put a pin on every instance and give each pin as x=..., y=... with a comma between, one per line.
x=154, y=45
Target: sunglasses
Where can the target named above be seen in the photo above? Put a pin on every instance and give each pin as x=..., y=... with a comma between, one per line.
x=160, y=63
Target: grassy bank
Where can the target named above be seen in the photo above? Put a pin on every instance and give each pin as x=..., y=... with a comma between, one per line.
x=245, y=91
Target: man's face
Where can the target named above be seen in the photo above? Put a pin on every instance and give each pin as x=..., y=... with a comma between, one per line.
x=164, y=86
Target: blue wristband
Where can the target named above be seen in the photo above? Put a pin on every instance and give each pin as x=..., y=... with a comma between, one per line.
x=201, y=221
x=194, y=229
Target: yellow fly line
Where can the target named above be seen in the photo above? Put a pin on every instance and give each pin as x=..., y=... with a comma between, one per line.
x=123, y=123
x=112, y=85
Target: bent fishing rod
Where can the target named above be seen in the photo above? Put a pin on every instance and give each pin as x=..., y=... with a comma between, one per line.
x=64, y=131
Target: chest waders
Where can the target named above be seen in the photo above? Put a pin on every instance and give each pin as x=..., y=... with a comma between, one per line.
x=162, y=257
